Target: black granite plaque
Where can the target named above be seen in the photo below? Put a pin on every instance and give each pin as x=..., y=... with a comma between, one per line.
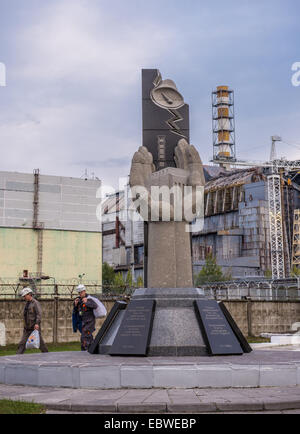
x=134, y=334
x=241, y=338
x=217, y=333
x=117, y=307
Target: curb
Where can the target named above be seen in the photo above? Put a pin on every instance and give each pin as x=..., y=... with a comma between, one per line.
x=208, y=407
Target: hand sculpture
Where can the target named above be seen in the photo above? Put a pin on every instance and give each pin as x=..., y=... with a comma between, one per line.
x=186, y=158
x=141, y=167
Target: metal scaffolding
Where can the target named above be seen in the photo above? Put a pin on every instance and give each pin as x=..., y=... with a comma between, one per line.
x=296, y=240
x=38, y=226
x=276, y=228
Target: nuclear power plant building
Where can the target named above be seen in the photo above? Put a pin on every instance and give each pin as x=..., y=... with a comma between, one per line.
x=49, y=229
x=236, y=224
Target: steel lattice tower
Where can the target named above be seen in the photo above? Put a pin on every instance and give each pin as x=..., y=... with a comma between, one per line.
x=276, y=226
x=296, y=240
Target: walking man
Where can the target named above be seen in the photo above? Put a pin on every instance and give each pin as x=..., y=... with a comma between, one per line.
x=32, y=320
x=86, y=308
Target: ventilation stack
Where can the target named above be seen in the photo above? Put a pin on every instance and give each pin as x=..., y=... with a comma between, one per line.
x=223, y=126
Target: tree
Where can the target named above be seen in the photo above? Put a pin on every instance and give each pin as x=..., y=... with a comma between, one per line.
x=211, y=272
x=140, y=282
x=295, y=271
x=268, y=274
x=119, y=283
x=129, y=279
x=108, y=276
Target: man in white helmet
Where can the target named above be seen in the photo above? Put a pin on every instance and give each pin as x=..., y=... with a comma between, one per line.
x=86, y=308
x=32, y=320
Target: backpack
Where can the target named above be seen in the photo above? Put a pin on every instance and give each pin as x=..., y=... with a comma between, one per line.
x=100, y=311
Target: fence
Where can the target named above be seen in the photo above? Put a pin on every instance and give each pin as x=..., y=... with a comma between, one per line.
x=57, y=324
x=68, y=291
x=252, y=316
x=57, y=306
x=263, y=290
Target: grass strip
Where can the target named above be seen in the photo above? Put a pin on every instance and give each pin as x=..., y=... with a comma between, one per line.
x=8, y=406
x=11, y=350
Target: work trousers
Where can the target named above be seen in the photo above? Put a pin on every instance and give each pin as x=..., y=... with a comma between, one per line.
x=86, y=338
x=22, y=343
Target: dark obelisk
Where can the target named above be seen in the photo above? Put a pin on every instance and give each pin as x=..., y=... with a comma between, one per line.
x=162, y=126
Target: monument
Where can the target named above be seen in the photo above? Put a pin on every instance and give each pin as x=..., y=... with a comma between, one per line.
x=169, y=317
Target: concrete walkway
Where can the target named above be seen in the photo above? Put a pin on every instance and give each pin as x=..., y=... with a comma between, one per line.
x=158, y=401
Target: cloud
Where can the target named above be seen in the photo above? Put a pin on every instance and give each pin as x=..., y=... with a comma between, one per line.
x=77, y=83
x=109, y=163
x=79, y=41
x=73, y=99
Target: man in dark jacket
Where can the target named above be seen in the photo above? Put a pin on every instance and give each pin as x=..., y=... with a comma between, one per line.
x=32, y=321
x=86, y=308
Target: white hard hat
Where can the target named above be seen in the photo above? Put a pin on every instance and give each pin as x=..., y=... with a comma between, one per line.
x=25, y=291
x=81, y=288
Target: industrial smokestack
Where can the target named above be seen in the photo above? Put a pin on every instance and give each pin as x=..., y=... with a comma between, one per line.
x=223, y=126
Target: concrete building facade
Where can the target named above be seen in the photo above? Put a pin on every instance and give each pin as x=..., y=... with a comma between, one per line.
x=120, y=234
x=49, y=228
x=236, y=224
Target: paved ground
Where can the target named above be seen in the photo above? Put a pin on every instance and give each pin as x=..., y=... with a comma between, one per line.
x=262, y=356
x=273, y=400
x=277, y=399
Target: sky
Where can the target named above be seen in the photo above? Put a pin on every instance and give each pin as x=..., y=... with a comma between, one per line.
x=72, y=100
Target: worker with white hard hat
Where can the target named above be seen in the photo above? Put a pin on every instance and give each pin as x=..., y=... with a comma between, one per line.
x=26, y=291
x=81, y=288
x=32, y=320
x=85, y=307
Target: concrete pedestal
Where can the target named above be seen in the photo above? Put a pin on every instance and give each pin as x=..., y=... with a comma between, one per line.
x=81, y=370
x=176, y=330
x=169, y=261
